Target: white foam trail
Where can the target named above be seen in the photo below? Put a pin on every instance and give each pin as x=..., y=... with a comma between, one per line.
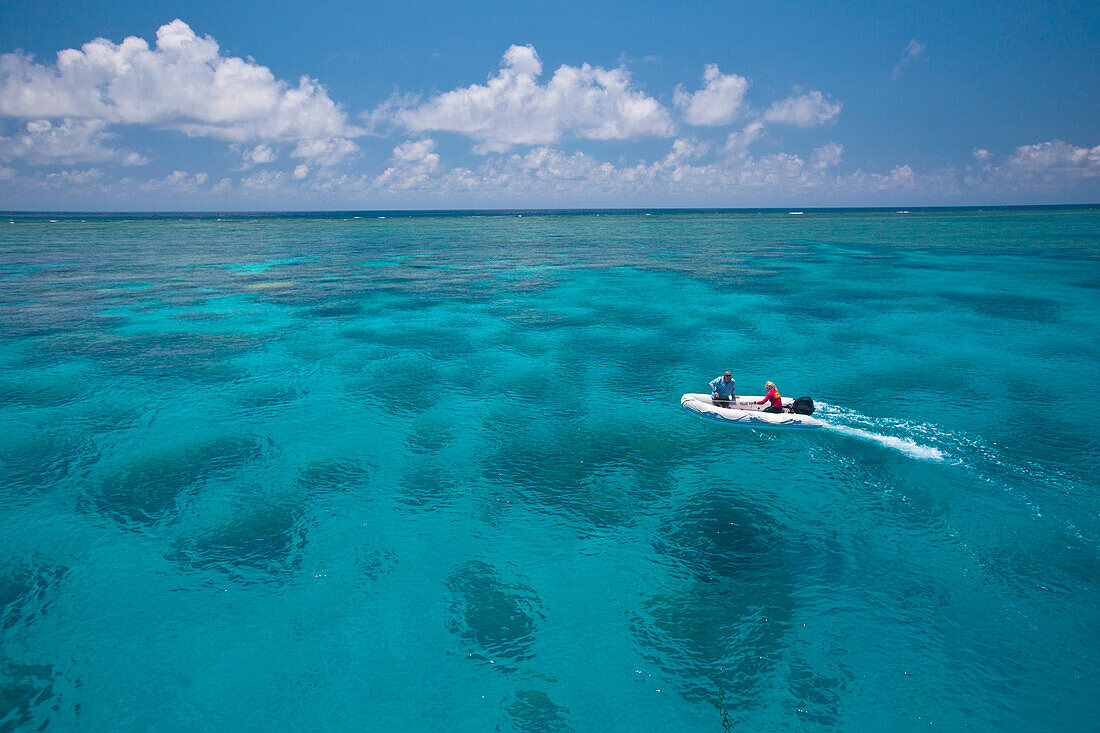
x=906, y=446
x=1019, y=478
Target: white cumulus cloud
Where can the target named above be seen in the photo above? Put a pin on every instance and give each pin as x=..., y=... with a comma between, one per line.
x=65, y=141
x=183, y=83
x=413, y=165
x=512, y=108
x=739, y=142
x=717, y=103
x=803, y=110
x=1040, y=167
x=1055, y=158
x=261, y=154
x=74, y=178
x=326, y=151
x=175, y=182
x=827, y=156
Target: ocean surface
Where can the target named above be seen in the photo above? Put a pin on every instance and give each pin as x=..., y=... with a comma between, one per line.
x=430, y=472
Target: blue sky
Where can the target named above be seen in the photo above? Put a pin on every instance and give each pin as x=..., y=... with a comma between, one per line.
x=246, y=106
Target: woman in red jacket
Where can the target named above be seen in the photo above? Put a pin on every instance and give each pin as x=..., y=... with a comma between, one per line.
x=773, y=397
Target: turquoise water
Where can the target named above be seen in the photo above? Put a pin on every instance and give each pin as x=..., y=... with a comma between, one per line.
x=431, y=472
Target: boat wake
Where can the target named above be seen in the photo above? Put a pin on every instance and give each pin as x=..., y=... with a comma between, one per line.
x=1025, y=480
x=906, y=446
x=848, y=422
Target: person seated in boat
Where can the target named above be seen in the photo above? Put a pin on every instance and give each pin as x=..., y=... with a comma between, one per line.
x=773, y=397
x=722, y=390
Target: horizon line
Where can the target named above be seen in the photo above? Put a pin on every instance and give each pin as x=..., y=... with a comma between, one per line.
x=535, y=210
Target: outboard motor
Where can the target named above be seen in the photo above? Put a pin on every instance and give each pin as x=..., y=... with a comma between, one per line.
x=802, y=406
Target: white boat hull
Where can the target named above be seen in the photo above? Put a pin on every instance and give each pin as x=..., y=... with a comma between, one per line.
x=745, y=411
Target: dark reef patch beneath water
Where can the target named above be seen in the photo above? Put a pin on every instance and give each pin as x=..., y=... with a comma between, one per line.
x=259, y=543
x=152, y=488
x=496, y=618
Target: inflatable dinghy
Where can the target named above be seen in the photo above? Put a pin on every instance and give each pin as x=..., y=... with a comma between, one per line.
x=745, y=411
